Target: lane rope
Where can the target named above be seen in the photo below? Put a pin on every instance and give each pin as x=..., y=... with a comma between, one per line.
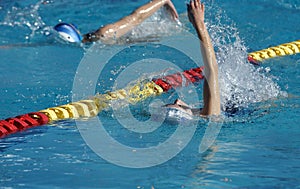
x=91, y=107
x=276, y=51
x=133, y=94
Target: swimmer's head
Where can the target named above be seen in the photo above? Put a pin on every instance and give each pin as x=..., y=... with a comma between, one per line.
x=174, y=115
x=179, y=109
x=68, y=32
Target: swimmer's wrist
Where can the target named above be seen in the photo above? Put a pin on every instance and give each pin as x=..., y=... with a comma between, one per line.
x=201, y=32
x=166, y=2
x=201, y=28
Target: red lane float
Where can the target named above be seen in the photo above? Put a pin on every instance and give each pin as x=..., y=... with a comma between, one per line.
x=18, y=123
x=176, y=80
x=22, y=122
x=82, y=108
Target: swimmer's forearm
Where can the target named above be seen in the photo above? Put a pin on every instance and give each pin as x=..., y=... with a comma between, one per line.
x=211, y=87
x=148, y=9
x=135, y=18
x=121, y=27
x=207, y=50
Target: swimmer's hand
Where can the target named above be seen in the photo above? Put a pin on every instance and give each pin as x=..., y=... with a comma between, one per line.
x=196, y=11
x=170, y=7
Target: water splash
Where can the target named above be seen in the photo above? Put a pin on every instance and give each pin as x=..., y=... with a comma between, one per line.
x=158, y=25
x=240, y=82
x=26, y=17
x=289, y=4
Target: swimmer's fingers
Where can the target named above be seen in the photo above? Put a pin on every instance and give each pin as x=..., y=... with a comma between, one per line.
x=172, y=10
x=196, y=11
x=191, y=12
x=192, y=4
x=188, y=8
x=197, y=3
x=201, y=6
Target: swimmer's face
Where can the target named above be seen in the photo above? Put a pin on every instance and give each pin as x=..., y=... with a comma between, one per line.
x=181, y=108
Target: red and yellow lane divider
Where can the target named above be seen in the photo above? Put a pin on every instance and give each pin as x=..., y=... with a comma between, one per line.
x=91, y=107
x=276, y=51
x=139, y=92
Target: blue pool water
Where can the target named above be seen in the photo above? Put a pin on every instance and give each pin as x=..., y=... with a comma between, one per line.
x=257, y=148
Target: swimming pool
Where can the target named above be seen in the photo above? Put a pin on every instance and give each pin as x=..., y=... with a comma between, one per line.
x=257, y=149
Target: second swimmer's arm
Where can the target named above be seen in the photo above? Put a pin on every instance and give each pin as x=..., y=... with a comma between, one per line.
x=113, y=31
x=211, y=91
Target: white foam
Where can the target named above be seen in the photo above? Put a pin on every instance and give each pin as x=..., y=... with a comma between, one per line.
x=241, y=83
x=27, y=17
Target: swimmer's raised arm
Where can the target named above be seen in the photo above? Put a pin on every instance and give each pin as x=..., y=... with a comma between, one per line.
x=211, y=91
x=113, y=31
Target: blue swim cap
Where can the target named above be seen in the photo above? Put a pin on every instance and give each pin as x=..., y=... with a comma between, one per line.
x=68, y=32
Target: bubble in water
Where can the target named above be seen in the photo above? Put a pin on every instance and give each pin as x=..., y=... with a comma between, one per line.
x=25, y=17
x=267, y=69
x=288, y=4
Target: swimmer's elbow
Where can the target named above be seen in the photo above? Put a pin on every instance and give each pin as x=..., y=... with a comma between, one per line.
x=135, y=17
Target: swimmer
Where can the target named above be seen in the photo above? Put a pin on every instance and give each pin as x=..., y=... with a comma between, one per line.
x=211, y=91
x=109, y=33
